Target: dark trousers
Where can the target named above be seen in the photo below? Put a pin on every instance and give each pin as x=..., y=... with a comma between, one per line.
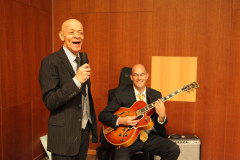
x=82, y=154
x=155, y=145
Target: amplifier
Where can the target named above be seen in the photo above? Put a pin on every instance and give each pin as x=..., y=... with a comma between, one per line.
x=190, y=147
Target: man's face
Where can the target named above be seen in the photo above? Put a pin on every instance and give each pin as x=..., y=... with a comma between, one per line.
x=139, y=77
x=72, y=35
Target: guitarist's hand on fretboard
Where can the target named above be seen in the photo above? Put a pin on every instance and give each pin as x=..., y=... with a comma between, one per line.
x=128, y=121
x=160, y=110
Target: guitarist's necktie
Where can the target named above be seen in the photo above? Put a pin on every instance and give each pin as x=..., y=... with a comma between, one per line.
x=143, y=133
x=83, y=86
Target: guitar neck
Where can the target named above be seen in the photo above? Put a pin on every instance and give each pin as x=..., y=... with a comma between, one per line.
x=171, y=95
x=188, y=87
x=151, y=105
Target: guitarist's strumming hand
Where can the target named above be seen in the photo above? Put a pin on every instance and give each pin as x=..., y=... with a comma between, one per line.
x=128, y=121
x=160, y=110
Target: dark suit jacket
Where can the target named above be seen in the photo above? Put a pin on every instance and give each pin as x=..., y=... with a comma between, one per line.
x=125, y=97
x=64, y=100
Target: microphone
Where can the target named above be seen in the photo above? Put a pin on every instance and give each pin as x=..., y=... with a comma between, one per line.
x=84, y=58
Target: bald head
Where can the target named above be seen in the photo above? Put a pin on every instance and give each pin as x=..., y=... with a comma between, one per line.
x=66, y=24
x=72, y=35
x=139, y=67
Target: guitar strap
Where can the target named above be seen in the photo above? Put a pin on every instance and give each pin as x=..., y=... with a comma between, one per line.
x=149, y=95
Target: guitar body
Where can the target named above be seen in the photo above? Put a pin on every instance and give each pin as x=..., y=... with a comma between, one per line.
x=124, y=136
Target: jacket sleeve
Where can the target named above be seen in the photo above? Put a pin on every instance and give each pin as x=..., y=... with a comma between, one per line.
x=54, y=93
x=160, y=128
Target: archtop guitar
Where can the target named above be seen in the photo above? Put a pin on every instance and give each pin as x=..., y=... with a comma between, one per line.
x=124, y=136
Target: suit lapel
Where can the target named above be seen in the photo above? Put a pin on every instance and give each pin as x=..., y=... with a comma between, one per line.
x=131, y=94
x=149, y=95
x=66, y=62
x=68, y=65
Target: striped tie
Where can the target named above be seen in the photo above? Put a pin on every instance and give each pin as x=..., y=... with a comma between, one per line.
x=143, y=133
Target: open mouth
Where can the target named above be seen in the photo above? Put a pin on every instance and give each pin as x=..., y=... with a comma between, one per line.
x=76, y=42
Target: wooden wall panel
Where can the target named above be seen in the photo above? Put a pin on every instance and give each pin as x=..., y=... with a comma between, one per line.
x=116, y=6
x=77, y=6
x=17, y=132
x=131, y=6
x=99, y=6
x=233, y=105
x=174, y=27
x=236, y=4
x=26, y=39
x=45, y=5
x=2, y=44
x=27, y=2
x=213, y=40
x=117, y=58
x=14, y=58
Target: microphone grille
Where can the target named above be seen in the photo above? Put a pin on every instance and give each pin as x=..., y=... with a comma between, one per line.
x=84, y=58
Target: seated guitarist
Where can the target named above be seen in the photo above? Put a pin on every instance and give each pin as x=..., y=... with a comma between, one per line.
x=156, y=141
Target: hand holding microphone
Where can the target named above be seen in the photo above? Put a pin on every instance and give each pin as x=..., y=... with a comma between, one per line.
x=83, y=72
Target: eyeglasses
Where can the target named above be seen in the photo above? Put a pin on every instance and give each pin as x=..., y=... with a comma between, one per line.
x=138, y=75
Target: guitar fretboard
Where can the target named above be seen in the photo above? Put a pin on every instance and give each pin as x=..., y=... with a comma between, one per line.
x=171, y=95
x=151, y=105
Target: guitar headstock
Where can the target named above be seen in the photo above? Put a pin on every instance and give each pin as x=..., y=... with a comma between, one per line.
x=190, y=87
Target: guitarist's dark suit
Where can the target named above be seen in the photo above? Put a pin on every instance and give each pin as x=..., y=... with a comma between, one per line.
x=64, y=100
x=125, y=97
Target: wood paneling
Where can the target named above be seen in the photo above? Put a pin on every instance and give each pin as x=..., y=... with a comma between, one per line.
x=2, y=44
x=45, y=5
x=99, y=6
x=17, y=132
x=26, y=39
x=236, y=4
x=233, y=106
x=78, y=6
x=16, y=57
x=27, y=2
x=86, y=6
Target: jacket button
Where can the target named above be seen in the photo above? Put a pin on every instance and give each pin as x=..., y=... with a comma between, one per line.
x=79, y=120
x=80, y=105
